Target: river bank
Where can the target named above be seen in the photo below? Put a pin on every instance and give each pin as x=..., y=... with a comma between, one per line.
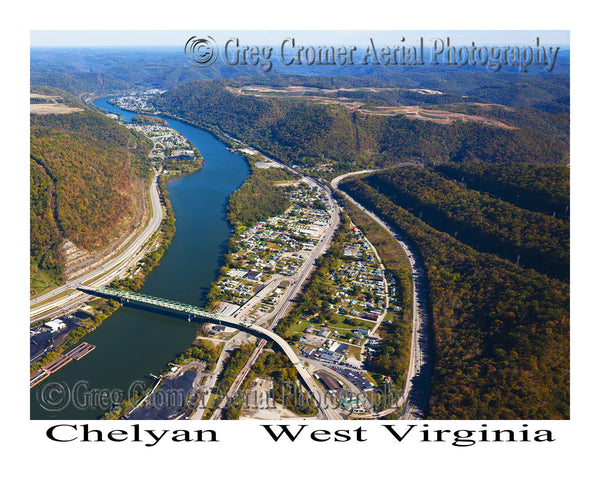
x=131, y=343
x=156, y=246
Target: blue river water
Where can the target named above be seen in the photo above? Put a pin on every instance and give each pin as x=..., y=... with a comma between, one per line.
x=132, y=343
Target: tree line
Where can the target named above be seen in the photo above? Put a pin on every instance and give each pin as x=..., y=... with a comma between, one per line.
x=303, y=132
x=500, y=333
x=488, y=224
x=540, y=188
x=258, y=198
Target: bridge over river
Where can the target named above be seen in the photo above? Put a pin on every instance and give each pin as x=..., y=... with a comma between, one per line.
x=196, y=313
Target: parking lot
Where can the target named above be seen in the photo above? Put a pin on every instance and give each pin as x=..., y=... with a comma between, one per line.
x=354, y=377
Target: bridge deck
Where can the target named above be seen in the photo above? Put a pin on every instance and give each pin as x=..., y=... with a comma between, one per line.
x=235, y=323
x=153, y=301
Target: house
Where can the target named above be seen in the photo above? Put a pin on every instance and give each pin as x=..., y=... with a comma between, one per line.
x=324, y=333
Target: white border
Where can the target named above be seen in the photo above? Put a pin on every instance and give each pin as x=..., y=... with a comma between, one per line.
x=243, y=450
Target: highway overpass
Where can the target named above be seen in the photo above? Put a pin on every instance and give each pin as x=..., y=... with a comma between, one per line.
x=196, y=313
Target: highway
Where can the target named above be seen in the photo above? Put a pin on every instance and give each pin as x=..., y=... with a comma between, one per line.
x=281, y=309
x=416, y=388
x=299, y=278
x=114, y=268
x=284, y=303
x=193, y=311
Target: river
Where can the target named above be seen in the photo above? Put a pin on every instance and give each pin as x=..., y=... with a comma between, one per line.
x=132, y=343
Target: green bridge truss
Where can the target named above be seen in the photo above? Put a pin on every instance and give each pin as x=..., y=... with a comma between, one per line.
x=141, y=298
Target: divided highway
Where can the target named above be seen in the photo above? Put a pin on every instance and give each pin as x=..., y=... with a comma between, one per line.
x=416, y=388
x=60, y=301
x=281, y=309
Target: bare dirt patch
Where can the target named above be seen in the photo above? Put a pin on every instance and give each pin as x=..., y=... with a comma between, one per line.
x=438, y=116
x=51, y=105
x=303, y=89
x=411, y=111
x=267, y=165
x=52, y=109
x=485, y=106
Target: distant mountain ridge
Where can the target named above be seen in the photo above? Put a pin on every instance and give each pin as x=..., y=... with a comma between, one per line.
x=297, y=130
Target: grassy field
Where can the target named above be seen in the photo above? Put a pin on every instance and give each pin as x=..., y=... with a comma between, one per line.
x=49, y=104
x=338, y=323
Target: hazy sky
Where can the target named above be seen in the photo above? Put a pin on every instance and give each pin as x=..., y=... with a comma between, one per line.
x=83, y=38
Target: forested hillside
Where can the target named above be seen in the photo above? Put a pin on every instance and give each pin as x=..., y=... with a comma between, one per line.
x=488, y=224
x=500, y=331
x=87, y=174
x=310, y=133
x=540, y=188
x=81, y=82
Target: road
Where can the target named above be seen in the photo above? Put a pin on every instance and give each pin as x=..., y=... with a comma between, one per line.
x=206, y=389
x=239, y=380
x=416, y=388
x=281, y=309
x=114, y=268
x=385, y=289
x=299, y=278
x=273, y=318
